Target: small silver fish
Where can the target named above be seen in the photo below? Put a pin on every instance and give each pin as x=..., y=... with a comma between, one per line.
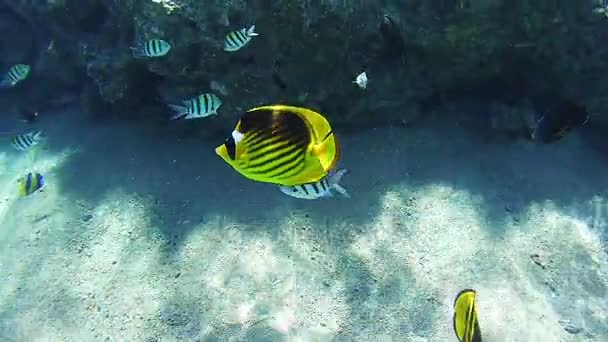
x=319, y=189
x=26, y=141
x=603, y=7
x=15, y=74
x=237, y=39
x=198, y=107
x=151, y=48
x=361, y=80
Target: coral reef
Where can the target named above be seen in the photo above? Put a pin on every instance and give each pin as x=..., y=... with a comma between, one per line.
x=417, y=54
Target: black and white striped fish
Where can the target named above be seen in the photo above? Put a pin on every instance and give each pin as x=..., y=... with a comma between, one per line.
x=26, y=141
x=319, y=189
x=198, y=107
x=237, y=39
x=15, y=74
x=151, y=48
x=602, y=7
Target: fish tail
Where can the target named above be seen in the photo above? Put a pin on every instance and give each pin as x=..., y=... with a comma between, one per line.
x=334, y=180
x=38, y=136
x=138, y=52
x=251, y=32
x=6, y=83
x=179, y=111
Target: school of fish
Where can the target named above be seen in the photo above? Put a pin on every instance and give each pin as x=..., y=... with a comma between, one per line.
x=292, y=148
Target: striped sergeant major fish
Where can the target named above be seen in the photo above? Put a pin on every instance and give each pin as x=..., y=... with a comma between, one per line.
x=26, y=141
x=151, y=48
x=29, y=184
x=319, y=189
x=198, y=107
x=15, y=74
x=466, y=326
x=237, y=39
x=602, y=7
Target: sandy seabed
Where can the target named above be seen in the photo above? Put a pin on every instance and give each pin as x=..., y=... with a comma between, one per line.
x=141, y=236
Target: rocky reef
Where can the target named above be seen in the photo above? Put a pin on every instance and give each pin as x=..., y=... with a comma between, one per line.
x=419, y=55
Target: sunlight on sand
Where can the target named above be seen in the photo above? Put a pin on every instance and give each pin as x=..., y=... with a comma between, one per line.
x=229, y=280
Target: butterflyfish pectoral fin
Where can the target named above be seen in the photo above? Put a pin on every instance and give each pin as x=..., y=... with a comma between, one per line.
x=466, y=326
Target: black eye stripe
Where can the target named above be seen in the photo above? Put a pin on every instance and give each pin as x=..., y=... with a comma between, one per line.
x=231, y=147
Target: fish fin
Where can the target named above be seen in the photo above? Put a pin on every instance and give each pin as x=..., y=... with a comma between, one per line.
x=137, y=52
x=339, y=188
x=251, y=32
x=179, y=111
x=38, y=136
x=6, y=84
x=334, y=180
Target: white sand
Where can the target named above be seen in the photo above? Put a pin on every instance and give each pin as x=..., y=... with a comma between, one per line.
x=142, y=236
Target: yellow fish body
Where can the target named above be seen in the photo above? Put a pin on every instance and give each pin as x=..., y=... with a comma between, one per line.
x=283, y=145
x=466, y=325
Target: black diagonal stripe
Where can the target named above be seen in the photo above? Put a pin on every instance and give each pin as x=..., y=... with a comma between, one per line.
x=233, y=40
x=315, y=187
x=291, y=171
x=206, y=102
x=265, y=124
x=12, y=74
x=18, y=142
x=265, y=143
x=241, y=37
x=272, y=138
x=323, y=186
x=265, y=135
x=304, y=188
x=275, y=155
x=229, y=41
x=22, y=142
x=281, y=170
x=251, y=136
x=273, y=167
x=279, y=134
x=262, y=135
x=327, y=135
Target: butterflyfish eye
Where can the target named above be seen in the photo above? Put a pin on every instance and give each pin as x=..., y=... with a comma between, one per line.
x=230, y=147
